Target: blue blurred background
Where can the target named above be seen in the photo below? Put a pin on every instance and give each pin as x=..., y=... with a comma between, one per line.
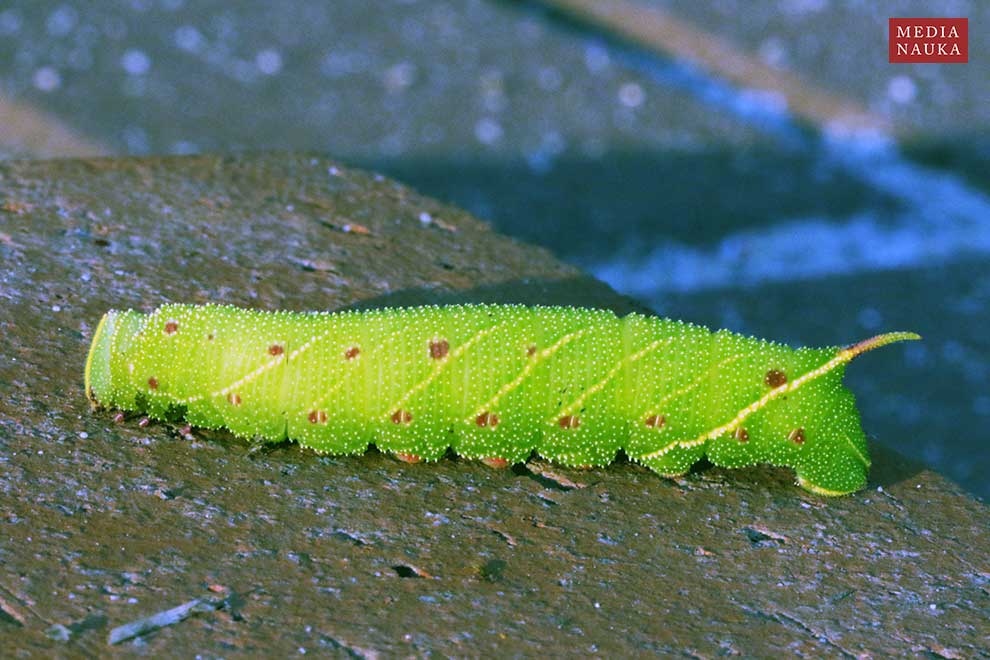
x=757, y=166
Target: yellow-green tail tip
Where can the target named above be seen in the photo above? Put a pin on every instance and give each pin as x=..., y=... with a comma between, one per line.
x=876, y=342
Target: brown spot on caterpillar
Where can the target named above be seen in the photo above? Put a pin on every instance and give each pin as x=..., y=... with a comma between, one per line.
x=439, y=349
x=495, y=462
x=486, y=418
x=531, y=351
x=407, y=458
x=655, y=421
x=275, y=349
x=401, y=417
x=317, y=417
x=153, y=383
x=118, y=418
x=234, y=399
x=569, y=422
x=775, y=378
x=171, y=327
x=209, y=337
x=796, y=436
x=741, y=434
x=352, y=353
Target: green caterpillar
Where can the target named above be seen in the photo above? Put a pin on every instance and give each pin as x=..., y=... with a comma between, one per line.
x=493, y=382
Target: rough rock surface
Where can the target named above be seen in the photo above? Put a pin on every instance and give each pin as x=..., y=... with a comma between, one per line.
x=102, y=524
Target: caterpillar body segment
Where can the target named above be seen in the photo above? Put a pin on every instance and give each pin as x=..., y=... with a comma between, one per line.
x=493, y=382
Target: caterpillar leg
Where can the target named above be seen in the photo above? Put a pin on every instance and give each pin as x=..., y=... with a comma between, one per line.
x=654, y=445
x=843, y=474
x=581, y=439
x=328, y=432
x=674, y=463
x=413, y=436
x=496, y=438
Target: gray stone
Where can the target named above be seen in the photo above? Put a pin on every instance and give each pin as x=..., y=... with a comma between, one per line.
x=112, y=524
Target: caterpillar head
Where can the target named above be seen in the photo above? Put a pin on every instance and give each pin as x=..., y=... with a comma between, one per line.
x=106, y=377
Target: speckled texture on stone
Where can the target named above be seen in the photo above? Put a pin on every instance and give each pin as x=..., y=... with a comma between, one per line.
x=106, y=523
